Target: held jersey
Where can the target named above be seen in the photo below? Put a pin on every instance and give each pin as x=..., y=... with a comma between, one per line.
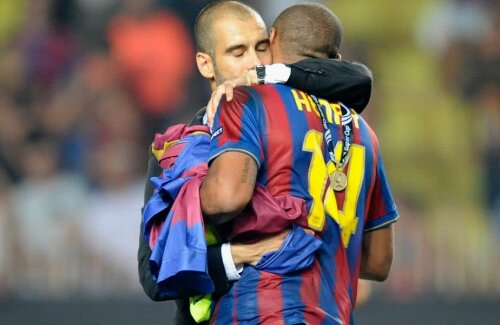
x=280, y=128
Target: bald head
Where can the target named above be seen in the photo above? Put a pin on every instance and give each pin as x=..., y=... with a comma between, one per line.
x=308, y=30
x=215, y=11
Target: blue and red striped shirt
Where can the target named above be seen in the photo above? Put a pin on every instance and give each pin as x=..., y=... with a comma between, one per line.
x=280, y=128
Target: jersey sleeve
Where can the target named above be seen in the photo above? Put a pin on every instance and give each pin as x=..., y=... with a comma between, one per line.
x=236, y=127
x=382, y=208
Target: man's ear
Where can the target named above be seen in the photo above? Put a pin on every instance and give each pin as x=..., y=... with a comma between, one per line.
x=205, y=65
x=339, y=57
x=272, y=36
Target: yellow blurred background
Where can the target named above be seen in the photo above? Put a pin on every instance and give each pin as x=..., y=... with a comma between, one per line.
x=436, y=110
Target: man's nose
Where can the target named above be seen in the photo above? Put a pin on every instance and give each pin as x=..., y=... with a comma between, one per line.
x=253, y=59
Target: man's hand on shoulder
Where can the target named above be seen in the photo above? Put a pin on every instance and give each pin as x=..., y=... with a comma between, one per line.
x=226, y=88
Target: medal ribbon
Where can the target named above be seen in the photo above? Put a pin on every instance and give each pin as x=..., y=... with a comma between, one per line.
x=347, y=133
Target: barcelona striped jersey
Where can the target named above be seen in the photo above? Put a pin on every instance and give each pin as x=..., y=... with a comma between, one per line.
x=280, y=128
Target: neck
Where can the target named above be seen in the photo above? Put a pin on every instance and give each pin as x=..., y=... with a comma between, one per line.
x=213, y=84
x=287, y=58
x=281, y=56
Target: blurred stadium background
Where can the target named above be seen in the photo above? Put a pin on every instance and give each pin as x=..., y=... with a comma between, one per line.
x=84, y=85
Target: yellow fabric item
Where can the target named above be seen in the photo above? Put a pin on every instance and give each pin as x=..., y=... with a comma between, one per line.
x=211, y=235
x=160, y=152
x=200, y=307
x=12, y=13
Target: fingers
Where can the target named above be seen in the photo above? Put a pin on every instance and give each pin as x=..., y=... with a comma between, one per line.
x=229, y=91
x=252, y=253
x=252, y=77
x=309, y=231
x=225, y=89
x=211, y=110
x=274, y=242
x=214, y=103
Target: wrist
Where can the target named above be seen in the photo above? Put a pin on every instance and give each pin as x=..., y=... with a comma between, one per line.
x=238, y=253
x=251, y=77
x=277, y=73
x=260, y=70
x=245, y=254
x=232, y=269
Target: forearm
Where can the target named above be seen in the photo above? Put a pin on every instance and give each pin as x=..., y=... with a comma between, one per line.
x=335, y=80
x=367, y=272
x=217, y=205
x=217, y=270
x=376, y=255
x=242, y=254
x=252, y=253
x=228, y=186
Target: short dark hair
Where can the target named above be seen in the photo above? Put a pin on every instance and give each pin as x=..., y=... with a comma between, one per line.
x=203, y=27
x=309, y=30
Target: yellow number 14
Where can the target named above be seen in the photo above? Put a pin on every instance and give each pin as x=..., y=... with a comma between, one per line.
x=318, y=179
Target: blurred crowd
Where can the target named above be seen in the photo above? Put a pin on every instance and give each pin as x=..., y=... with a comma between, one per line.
x=85, y=84
x=465, y=36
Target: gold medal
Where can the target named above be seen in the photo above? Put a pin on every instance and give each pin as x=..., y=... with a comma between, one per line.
x=339, y=180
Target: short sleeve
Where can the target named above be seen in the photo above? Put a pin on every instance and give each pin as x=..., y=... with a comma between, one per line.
x=382, y=209
x=236, y=127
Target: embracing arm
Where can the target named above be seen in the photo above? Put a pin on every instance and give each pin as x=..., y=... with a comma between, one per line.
x=335, y=80
x=377, y=252
x=228, y=186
